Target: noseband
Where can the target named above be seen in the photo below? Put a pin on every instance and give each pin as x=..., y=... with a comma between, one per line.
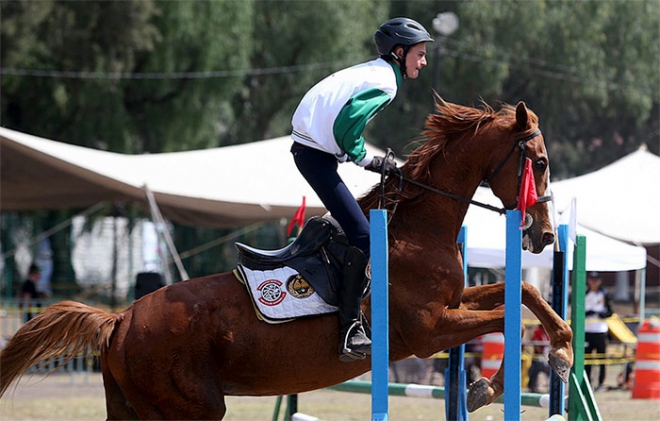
x=521, y=143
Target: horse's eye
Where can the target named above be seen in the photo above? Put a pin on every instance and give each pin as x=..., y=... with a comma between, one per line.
x=540, y=165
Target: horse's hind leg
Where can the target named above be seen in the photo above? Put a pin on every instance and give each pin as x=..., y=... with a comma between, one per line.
x=176, y=394
x=124, y=400
x=165, y=400
x=117, y=406
x=484, y=391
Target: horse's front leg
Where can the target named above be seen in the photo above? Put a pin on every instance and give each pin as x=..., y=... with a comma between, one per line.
x=560, y=357
x=492, y=296
x=432, y=329
x=489, y=297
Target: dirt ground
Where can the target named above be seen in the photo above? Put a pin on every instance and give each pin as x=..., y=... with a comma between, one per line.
x=65, y=397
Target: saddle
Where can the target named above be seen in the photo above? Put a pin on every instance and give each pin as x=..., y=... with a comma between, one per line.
x=317, y=254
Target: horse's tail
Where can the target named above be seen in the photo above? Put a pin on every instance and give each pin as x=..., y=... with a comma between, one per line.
x=64, y=329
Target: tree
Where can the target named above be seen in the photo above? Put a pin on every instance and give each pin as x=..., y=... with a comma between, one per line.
x=128, y=76
x=205, y=49
x=51, y=38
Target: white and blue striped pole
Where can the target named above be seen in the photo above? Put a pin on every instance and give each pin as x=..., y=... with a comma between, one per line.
x=512, y=316
x=379, y=315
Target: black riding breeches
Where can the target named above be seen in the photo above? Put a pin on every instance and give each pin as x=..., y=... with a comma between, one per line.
x=320, y=170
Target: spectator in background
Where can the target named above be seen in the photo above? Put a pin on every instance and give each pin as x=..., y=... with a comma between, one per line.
x=598, y=307
x=541, y=343
x=28, y=295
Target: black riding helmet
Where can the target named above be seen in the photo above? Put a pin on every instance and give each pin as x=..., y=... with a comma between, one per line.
x=399, y=31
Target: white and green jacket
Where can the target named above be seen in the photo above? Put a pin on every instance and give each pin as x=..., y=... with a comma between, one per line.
x=333, y=113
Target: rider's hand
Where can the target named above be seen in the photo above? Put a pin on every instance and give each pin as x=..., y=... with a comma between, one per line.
x=381, y=164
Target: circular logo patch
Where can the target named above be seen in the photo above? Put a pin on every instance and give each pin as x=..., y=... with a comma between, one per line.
x=271, y=292
x=298, y=287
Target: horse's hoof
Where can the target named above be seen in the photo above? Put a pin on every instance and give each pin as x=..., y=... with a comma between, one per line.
x=477, y=396
x=560, y=367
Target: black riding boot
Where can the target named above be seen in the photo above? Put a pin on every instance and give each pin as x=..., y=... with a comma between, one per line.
x=354, y=342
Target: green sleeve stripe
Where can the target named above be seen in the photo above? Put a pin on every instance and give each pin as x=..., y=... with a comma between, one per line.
x=353, y=118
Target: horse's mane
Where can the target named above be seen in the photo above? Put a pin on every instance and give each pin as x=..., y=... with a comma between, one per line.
x=449, y=124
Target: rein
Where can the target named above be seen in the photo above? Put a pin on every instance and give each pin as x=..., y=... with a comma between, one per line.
x=521, y=143
x=501, y=211
x=389, y=155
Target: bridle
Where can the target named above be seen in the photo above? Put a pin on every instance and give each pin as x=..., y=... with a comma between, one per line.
x=520, y=143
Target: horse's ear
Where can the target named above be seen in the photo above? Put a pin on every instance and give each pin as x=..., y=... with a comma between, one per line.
x=521, y=115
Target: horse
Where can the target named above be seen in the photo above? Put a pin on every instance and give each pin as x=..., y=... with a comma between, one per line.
x=177, y=352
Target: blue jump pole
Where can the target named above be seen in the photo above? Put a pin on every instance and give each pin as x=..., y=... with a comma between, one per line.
x=455, y=380
x=512, y=316
x=379, y=315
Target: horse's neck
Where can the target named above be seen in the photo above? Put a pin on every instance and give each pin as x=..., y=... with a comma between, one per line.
x=437, y=217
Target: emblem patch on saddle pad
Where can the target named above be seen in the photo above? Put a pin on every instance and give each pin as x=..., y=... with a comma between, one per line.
x=281, y=295
x=298, y=287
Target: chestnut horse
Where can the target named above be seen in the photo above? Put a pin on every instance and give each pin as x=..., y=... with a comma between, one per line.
x=176, y=353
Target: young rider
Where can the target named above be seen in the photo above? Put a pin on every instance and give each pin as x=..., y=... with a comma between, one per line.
x=327, y=129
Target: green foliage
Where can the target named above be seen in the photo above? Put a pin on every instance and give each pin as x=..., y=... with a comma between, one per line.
x=71, y=37
x=108, y=109
x=584, y=67
x=190, y=112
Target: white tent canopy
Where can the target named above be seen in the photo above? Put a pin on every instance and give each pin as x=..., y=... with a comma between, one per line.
x=621, y=200
x=222, y=187
x=486, y=239
x=239, y=185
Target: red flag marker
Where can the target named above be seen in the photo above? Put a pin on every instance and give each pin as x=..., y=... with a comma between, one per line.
x=298, y=217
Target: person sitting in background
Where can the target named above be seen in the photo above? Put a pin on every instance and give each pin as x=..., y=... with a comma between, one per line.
x=28, y=294
x=598, y=307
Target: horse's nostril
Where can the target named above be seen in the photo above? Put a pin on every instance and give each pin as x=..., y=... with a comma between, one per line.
x=548, y=238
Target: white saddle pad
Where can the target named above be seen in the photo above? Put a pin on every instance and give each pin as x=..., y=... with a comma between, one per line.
x=282, y=295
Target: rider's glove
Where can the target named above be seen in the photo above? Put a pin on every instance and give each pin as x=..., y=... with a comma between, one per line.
x=381, y=164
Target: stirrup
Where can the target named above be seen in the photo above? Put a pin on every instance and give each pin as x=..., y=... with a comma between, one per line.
x=348, y=354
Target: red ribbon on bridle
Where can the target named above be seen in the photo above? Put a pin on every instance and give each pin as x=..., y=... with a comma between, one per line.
x=527, y=197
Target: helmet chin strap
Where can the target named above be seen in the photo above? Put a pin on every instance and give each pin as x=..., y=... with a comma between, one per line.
x=402, y=62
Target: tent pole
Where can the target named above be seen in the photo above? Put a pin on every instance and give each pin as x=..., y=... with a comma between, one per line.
x=158, y=217
x=640, y=278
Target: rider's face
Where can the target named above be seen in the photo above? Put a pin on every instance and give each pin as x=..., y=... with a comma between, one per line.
x=415, y=60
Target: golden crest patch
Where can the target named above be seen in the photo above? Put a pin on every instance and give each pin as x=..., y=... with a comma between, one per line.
x=298, y=287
